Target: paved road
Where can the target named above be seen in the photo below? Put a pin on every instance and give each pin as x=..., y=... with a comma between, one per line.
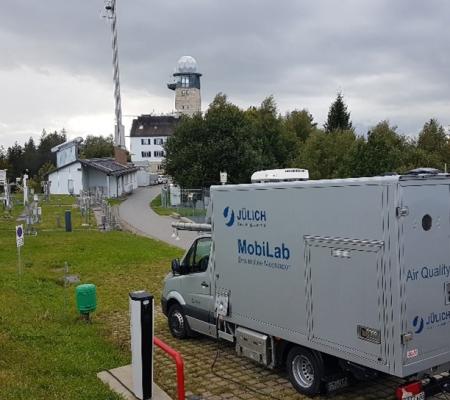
x=136, y=212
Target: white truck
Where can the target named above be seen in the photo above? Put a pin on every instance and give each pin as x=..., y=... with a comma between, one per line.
x=319, y=276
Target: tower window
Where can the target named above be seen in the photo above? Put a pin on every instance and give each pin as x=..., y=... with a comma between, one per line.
x=185, y=81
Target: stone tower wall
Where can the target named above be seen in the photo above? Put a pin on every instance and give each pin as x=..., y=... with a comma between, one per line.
x=187, y=100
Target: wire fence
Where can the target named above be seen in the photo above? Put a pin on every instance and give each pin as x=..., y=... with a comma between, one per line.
x=191, y=203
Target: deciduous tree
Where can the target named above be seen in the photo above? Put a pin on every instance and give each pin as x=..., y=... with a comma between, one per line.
x=97, y=147
x=301, y=123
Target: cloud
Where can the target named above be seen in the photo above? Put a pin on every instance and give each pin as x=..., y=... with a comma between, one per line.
x=390, y=59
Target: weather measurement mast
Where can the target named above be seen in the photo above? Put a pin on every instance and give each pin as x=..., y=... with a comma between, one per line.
x=119, y=131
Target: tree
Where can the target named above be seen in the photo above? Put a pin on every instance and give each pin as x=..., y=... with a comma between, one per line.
x=31, y=157
x=384, y=152
x=203, y=146
x=432, y=137
x=278, y=145
x=47, y=142
x=329, y=156
x=97, y=147
x=338, y=116
x=4, y=164
x=15, y=159
x=45, y=170
x=301, y=123
x=434, y=144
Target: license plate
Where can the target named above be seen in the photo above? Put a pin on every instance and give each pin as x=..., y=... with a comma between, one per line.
x=418, y=396
x=337, y=384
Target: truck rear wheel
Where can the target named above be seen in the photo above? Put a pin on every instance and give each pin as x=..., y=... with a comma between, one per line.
x=177, y=322
x=305, y=369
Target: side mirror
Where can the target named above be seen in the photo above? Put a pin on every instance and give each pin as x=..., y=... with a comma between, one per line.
x=176, y=266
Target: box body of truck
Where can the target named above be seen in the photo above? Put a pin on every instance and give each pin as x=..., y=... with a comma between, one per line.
x=357, y=268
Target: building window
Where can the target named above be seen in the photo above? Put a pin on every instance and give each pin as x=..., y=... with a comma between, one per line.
x=141, y=127
x=185, y=81
x=146, y=154
x=159, y=141
x=158, y=153
x=146, y=141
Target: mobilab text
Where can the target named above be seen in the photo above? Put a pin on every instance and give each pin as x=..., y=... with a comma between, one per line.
x=263, y=249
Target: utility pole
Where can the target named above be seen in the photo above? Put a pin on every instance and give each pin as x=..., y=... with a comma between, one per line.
x=119, y=131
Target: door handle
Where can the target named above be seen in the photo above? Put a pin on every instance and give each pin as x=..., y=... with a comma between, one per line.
x=205, y=284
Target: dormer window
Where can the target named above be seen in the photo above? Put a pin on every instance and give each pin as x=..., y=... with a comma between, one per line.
x=141, y=127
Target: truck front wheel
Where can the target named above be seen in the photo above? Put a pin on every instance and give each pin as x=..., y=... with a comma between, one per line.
x=177, y=322
x=305, y=369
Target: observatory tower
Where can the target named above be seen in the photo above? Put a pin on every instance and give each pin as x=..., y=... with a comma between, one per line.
x=187, y=86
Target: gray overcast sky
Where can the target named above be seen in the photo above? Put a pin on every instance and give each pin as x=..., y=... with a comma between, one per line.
x=390, y=58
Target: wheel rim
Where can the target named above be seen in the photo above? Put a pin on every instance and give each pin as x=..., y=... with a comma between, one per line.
x=177, y=322
x=303, y=371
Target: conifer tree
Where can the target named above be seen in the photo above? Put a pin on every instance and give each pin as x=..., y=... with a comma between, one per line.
x=338, y=116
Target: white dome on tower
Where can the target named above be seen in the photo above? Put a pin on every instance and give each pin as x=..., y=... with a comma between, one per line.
x=186, y=65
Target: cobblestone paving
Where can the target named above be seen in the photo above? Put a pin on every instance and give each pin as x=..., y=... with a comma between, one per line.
x=233, y=377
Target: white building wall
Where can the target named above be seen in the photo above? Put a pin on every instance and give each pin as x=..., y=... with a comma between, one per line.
x=143, y=178
x=138, y=145
x=66, y=155
x=130, y=182
x=60, y=179
x=95, y=178
x=134, y=180
x=114, y=187
x=85, y=178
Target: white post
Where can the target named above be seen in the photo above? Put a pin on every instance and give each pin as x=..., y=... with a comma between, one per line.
x=25, y=189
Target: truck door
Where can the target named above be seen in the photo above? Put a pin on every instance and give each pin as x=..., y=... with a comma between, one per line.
x=196, y=284
x=345, y=291
x=425, y=249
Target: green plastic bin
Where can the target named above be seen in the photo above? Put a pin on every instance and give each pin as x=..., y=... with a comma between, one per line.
x=86, y=296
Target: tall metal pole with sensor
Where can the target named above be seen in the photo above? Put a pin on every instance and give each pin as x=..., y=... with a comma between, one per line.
x=119, y=131
x=141, y=325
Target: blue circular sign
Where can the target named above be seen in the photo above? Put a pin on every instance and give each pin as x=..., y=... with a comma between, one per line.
x=19, y=231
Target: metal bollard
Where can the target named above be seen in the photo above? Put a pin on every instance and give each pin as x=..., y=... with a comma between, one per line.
x=68, y=220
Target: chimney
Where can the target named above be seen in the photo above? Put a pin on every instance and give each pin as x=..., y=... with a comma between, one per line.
x=120, y=155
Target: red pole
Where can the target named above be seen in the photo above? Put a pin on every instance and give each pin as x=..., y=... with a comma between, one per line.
x=179, y=363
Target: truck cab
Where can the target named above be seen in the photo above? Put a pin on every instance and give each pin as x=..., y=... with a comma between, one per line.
x=187, y=298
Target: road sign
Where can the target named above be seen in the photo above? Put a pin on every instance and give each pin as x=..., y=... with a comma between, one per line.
x=2, y=175
x=19, y=236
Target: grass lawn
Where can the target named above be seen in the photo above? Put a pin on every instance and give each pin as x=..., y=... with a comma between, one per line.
x=156, y=206
x=116, y=201
x=46, y=351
